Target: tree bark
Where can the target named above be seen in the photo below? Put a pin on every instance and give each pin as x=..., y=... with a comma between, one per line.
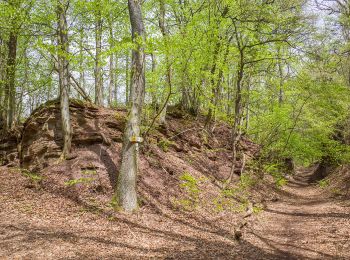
x=64, y=77
x=98, y=61
x=236, y=129
x=126, y=185
x=111, y=71
x=162, y=117
x=2, y=79
x=10, y=88
x=127, y=82
x=81, y=65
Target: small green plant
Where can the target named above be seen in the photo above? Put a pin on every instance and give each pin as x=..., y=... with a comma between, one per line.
x=34, y=178
x=336, y=191
x=280, y=181
x=229, y=193
x=257, y=209
x=190, y=185
x=246, y=181
x=114, y=203
x=222, y=203
x=119, y=117
x=78, y=181
x=89, y=172
x=323, y=183
x=164, y=144
x=275, y=172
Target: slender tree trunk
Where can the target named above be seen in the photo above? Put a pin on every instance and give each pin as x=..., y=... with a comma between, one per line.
x=154, y=101
x=10, y=88
x=216, y=81
x=64, y=77
x=111, y=81
x=127, y=78
x=81, y=65
x=162, y=117
x=236, y=129
x=116, y=79
x=280, y=70
x=2, y=87
x=98, y=60
x=24, y=86
x=127, y=196
x=111, y=70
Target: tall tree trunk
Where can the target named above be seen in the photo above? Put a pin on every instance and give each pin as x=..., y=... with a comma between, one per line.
x=280, y=71
x=2, y=87
x=24, y=85
x=154, y=99
x=81, y=62
x=111, y=70
x=98, y=60
x=116, y=79
x=127, y=196
x=216, y=80
x=127, y=78
x=64, y=76
x=236, y=129
x=10, y=88
x=164, y=31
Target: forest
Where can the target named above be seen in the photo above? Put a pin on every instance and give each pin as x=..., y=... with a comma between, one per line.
x=175, y=129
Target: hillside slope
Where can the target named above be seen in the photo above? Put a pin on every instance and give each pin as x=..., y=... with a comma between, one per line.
x=66, y=210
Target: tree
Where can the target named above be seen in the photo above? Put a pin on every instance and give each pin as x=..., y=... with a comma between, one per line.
x=63, y=73
x=98, y=59
x=127, y=196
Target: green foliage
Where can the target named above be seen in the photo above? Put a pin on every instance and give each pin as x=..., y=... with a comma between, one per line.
x=190, y=185
x=89, y=172
x=32, y=176
x=337, y=191
x=246, y=181
x=164, y=144
x=74, y=182
x=114, y=203
x=274, y=170
x=303, y=126
x=258, y=209
x=324, y=183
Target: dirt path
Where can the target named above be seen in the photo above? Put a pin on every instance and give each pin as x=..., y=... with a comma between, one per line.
x=303, y=224
x=35, y=224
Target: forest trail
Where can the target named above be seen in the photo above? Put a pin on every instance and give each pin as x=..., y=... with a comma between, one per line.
x=305, y=223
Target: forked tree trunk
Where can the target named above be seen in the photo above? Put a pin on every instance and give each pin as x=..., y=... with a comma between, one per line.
x=64, y=77
x=126, y=186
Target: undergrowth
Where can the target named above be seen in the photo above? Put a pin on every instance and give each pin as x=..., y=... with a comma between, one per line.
x=235, y=199
x=274, y=169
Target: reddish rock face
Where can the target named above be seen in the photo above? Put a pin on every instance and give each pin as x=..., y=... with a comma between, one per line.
x=182, y=146
x=38, y=143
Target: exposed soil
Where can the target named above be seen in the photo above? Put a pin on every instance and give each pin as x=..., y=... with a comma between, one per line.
x=304, y=223
x=64, y=210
